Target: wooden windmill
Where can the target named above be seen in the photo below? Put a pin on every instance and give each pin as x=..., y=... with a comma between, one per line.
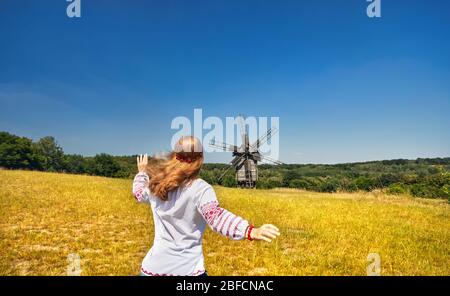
x=246, y=157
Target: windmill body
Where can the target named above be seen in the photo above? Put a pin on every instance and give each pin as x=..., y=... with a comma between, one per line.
x=246, y=158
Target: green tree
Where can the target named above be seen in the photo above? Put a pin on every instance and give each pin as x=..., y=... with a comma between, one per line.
x=74, y=163
x=397, y=189
x=229, y=181
x=365, y=183
x=289, y=176
x=387, y=179
x=274, y=182
x=52, y=154
x=299, y=183
x=103, y=165
x=329, y=185
x=18, y=152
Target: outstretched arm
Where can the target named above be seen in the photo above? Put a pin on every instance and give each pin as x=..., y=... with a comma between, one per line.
x=223, y=221
x=228, y=224
x=141, y=180
x=266, y=232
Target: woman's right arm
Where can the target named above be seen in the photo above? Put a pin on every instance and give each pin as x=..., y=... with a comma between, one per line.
x=228, y=224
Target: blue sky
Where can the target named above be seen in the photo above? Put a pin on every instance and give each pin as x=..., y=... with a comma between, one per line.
x=345, y=87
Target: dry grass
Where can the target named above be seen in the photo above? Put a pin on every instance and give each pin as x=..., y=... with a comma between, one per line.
x=45, y=217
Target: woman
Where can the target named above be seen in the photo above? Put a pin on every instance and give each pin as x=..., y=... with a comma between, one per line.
x=182, y=205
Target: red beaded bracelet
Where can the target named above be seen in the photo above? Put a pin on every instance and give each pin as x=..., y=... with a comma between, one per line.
x=250, y=228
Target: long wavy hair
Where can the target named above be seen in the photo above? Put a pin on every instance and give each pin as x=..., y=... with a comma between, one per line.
x=179, y=167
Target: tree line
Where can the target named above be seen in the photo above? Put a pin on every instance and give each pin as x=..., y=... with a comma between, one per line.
x=420, y=178
x=46, y=155
x=423, y=177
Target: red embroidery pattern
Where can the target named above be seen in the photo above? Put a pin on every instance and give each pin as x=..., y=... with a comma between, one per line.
x=229, y=225
x=236, y=228
x=225, y=222
x=169, y=274
x=218, y=221
x=139, y=184
x=210, y=211
x=221, y=220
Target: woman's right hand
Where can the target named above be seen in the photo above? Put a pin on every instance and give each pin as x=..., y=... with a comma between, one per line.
x=142, y=161
x=266, y=232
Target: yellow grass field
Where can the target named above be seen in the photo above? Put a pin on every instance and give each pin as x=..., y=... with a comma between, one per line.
x=44, y=217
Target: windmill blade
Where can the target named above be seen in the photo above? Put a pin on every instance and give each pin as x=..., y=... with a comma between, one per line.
x=233, y=163
x=275, y=161
x=223, y=146
x=237, y=160
x=264, y=138
x=243, y=132
x=224, y=173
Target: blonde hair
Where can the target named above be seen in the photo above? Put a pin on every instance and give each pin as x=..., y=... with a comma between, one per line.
x=180, y=167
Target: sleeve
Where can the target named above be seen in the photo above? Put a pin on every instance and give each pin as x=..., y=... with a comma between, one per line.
x=140, y=187
x=219, y=219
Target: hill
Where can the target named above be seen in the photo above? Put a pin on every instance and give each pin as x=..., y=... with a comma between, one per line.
x=45, y=217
